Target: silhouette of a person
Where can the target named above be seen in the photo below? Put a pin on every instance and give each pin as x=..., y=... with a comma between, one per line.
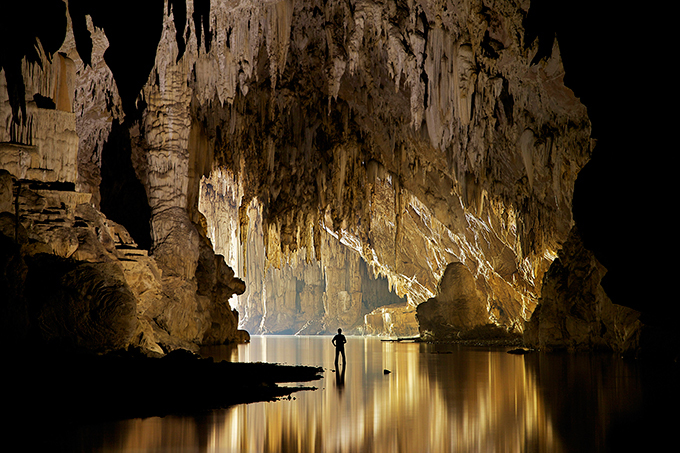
x=339, y=342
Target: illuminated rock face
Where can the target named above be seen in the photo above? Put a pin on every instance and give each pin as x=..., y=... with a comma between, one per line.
x=396, y=138
x=419, y=135
x=73, y=277
x=299, y=294
x=458, y=306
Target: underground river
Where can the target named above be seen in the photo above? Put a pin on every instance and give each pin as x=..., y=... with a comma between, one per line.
x=417, y=397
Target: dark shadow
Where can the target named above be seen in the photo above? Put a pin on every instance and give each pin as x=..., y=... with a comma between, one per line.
x=340, y=377
x=123, y=197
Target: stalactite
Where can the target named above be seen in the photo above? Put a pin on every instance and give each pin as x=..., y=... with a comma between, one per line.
x=305, y=102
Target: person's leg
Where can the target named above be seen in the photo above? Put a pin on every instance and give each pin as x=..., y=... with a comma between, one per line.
x=344, y=359
x=337, y=353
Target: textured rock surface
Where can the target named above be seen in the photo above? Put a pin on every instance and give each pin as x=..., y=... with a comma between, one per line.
x=294, y=293
x=418, y=133
x=458, y=307
x=415, y=134
x=101, y=291
x=608, y=211
x=574, y=311
x=63, y=282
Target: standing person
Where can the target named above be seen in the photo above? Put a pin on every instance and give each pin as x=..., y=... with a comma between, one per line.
x=339, y=342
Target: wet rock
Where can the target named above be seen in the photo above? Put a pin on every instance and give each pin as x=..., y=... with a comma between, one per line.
x=392, y=320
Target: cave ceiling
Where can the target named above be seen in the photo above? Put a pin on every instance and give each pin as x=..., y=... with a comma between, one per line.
x=418, y=133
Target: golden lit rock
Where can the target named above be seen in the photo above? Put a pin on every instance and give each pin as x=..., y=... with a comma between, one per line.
x=353, y=144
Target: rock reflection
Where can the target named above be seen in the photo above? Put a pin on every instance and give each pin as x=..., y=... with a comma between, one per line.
x=434, y=400
x=457, y=401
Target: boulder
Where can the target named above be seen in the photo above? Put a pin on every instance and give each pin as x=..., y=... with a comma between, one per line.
x=397, y=320
x=457, y=308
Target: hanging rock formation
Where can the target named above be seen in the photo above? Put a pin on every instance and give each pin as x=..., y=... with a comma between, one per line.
x=299, y=294
x=357, y=146
x=417, y=134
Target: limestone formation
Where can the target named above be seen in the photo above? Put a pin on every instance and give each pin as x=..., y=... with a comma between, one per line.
x=458, y=306
x=323, y=148
x=397, y=320
x=73, y=277
x=426, y=137
x=574, y=311
x=298, y=294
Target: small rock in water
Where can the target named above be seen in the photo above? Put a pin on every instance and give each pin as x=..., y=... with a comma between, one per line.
x=518, y=351
x=386, y=371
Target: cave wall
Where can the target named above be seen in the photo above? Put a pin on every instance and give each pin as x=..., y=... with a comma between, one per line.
x=72, y=277
x=420, y=133
x=619, y=197
x=298, y=294
x=415, y=134
x=622, y=226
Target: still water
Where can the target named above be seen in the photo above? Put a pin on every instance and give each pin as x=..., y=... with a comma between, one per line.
x=435, y=398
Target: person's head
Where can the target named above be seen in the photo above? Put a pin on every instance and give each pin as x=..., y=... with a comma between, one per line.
x=339, y=330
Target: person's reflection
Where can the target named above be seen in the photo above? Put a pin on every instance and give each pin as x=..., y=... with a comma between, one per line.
x=340, y=378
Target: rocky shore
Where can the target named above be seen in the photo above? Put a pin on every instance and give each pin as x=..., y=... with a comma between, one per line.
x=72, y=389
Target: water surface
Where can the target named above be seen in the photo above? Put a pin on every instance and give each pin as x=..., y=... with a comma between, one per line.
x=435, y=398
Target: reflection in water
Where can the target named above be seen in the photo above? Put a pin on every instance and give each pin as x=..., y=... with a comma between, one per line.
x=451, y=399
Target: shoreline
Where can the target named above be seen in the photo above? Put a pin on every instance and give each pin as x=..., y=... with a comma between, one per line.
x=76, y=389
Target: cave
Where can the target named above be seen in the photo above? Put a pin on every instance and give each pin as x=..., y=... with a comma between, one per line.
x=181, y=174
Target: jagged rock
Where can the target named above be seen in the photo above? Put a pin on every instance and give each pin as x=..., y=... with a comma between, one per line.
x=40, y=142
x=574, y=311
x=421, y=132
x=6, y=191
x=414, y=135
x=216, y=280
x=383, y=146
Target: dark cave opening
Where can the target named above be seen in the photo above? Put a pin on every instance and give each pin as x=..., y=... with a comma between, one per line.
x=24, y=29
x=123, y=198
x=202, y=23
x=619, y=194
x=133, y=30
